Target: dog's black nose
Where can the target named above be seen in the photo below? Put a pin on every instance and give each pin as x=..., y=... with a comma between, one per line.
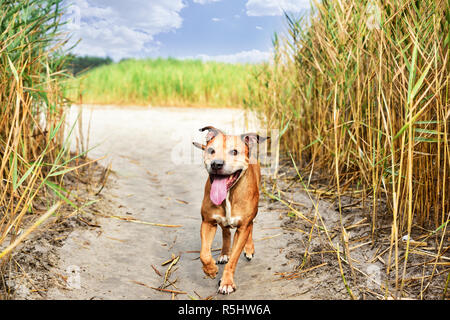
x=217, y=164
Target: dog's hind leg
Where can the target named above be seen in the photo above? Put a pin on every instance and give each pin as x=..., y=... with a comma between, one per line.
x=249, y=249
x=226, y=242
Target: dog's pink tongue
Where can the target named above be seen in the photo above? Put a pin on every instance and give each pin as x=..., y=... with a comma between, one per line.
x=218, y=190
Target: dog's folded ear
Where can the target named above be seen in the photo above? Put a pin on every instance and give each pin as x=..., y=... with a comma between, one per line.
x=199, y=145
x=212, y=132
x=252, y=138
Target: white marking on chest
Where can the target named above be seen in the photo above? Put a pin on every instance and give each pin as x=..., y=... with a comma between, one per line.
x=228, y=220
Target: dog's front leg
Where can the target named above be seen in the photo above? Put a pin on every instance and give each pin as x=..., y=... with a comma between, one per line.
x=227, y=285
x=207, y=233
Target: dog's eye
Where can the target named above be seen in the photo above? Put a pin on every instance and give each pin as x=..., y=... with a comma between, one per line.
x=211, y=151
x=234, y=152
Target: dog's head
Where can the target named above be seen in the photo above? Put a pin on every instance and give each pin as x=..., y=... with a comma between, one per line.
x=226, y=158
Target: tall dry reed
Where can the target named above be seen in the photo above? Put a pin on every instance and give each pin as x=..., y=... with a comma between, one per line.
x=32, y=152
x=363, y=88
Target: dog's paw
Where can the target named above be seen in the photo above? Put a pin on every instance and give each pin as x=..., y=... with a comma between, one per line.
x=223, y=259
x=249, y=256
x=211, y=270
x=226, y=287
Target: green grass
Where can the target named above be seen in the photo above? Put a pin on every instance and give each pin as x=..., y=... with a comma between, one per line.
x=166, y=82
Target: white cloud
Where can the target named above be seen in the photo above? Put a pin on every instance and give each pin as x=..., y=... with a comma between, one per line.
x=251, y=56
x=216, y=19
x=275, y=7
x=205, y=1
x=259, y=27
x=119, y=28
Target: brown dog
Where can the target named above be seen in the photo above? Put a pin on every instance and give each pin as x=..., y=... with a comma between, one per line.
x=230, y=200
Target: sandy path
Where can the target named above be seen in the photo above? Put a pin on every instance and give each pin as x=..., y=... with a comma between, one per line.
x=152, y=184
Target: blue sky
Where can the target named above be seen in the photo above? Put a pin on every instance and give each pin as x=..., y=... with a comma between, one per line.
x=222, y=30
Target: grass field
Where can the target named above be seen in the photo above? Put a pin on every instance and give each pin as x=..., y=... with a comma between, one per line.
x=167, y=82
